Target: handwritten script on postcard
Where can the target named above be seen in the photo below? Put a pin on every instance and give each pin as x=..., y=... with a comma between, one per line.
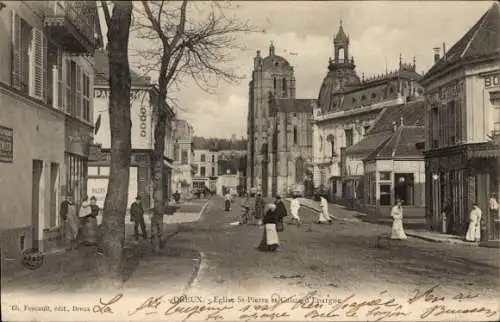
x=423, y=304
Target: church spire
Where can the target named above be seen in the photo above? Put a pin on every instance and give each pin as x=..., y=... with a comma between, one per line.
x=271, y=49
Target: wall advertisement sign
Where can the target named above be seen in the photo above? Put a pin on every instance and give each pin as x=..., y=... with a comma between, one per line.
x=6, y=144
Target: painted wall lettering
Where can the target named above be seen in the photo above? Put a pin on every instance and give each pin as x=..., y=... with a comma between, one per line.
x=491, y=81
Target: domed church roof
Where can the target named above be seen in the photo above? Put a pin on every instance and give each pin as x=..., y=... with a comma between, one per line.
x=274, y=61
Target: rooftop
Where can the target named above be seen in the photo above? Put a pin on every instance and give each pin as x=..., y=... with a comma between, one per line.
x=102, y=71
x=481, y=41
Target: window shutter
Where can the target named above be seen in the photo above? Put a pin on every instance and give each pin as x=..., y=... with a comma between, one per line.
x=16, y=51
x=78, y=91
x=60, y=79
x=37, y=65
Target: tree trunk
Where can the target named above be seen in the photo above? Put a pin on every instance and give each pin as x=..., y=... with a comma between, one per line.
x=115, y=204
x=158, y=184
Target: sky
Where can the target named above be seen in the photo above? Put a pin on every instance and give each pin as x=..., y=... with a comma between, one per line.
x=379, y=33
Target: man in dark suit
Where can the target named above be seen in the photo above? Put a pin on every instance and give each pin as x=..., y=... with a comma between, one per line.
x=137, y=216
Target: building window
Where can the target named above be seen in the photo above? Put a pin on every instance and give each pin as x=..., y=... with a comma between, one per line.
x=435, y=126
x=284, y=88
x=86, y=97
x=274, y=84
x=374, y=95
x=363, y=97
x=452, y=123
x=349, y=137
x=213, y=158
x=385, y=175
x=331, y=139
x=213, y=171
x=320, y=143
x=202, y=171
x=202, y=158
x=295, y=135
x=385, y=194
x=366, y=128
x=496, y=128
x=184, y=157
x=354, y=99
x=76, y=176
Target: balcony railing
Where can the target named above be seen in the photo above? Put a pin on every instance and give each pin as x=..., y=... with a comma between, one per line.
x=73, y=24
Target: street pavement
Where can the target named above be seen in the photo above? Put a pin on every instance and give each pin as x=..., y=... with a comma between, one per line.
x=342, y=258
x=76, y=271
x=353, y=261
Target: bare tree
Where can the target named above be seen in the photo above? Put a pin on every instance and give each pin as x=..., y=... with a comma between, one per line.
x=115, y=204
x=192, y=42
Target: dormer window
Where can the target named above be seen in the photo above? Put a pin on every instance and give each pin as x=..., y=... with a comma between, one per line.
x=374, y=95
x=354, y=99
x=276, y=64
x=363, y=97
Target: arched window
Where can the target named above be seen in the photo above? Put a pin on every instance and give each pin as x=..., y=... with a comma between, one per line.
x=295, y=135
x=284, y=87
x=299, y=170
x=341, y=54
x=274, y=83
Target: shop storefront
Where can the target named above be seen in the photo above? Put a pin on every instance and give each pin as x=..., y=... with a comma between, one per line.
x=459, y=177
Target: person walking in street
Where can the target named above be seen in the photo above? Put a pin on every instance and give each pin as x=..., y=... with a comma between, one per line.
x=259, y=209
x=270, y=239
x=397, y=223
x=137, y=216
x=70, y=222
x=474, y=231
x=227, y=201
x=294, y=208
x=324, y=215
x=281, y=212
x=245, y=209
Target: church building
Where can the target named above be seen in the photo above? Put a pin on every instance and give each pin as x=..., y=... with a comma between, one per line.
x=348, y=105
x=279, y=129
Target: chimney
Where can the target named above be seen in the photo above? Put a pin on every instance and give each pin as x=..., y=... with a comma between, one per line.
x=444, y=50
x=436, y=54
x=394, y=126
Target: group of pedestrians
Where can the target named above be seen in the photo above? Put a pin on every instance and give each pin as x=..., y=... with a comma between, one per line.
x=79, y=225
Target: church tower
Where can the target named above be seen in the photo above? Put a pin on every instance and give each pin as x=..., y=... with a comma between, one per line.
x=341, y=74
x=272, y=76
x=343, y=66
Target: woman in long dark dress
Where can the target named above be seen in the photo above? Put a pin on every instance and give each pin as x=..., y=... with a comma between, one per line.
x=270, y=240
x=89, y=229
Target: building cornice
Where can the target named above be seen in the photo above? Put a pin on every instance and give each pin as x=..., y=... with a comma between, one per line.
x=429, y=78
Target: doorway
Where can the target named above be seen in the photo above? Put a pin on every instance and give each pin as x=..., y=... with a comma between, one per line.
x=404, y=188
x=54, y=189
x=36, y=193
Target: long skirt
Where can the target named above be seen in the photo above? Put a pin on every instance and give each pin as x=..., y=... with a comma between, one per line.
x=89, y=231
x=270, y=240
x=397, y=230
x=227, y=204
x=474, y=232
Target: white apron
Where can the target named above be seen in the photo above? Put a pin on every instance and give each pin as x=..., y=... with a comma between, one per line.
x=271, y=235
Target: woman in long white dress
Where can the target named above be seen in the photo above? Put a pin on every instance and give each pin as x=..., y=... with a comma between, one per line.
x=474, y=231
x=397, y=224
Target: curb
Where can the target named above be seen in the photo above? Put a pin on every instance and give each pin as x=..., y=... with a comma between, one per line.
x=442, y=241
x=193, y=278
x=334, y=218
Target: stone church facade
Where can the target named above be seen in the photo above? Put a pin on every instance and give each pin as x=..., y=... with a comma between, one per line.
x=279, y=129
x=348, y=105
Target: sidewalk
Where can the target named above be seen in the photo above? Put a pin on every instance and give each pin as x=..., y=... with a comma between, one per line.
x=356, y=216
x=68, y=271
